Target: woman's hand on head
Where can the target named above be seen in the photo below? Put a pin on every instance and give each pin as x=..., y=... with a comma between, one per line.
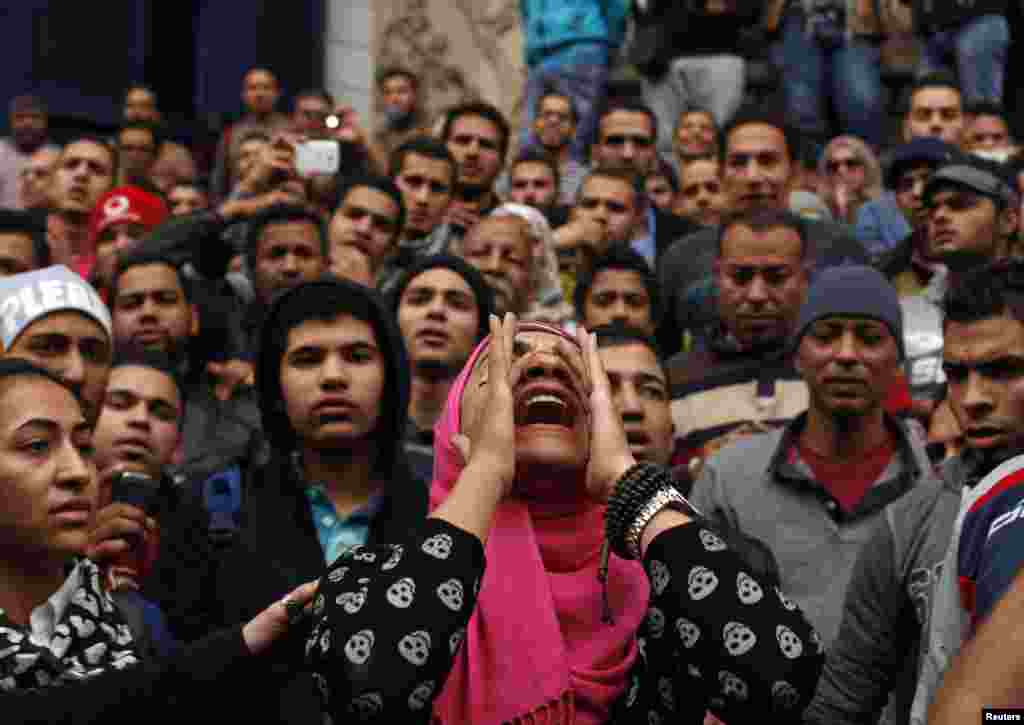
x=490, y=445
x=610, y=456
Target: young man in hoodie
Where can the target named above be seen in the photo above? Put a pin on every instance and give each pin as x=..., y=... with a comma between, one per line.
x=332, y=374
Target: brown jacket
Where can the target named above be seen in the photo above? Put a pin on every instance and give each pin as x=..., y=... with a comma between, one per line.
x=892, y=16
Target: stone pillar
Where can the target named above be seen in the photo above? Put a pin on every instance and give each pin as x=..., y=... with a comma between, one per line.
x=348, y=64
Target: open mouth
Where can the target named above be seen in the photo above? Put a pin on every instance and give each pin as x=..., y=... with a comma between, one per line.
x=546, y=406
x=983, y=433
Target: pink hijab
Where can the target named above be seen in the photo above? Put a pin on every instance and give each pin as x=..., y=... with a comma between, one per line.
x=536, y=648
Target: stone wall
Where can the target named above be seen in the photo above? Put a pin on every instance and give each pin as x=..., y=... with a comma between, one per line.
x=461, y=49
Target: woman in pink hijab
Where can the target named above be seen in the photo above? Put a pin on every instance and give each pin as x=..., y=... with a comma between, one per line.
x=532, y=466
x=556, y=638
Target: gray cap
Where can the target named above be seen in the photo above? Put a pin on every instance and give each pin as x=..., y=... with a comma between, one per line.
x=971, y=176
x=27, y=297
x=851, y=290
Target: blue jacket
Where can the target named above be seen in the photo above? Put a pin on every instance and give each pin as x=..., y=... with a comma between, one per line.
x=881, y=225
x=550, y=24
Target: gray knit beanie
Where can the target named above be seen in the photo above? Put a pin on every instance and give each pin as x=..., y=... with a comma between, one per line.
x=851, y=291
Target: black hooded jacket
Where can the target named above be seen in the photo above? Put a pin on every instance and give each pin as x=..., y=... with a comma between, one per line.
x=276, y=548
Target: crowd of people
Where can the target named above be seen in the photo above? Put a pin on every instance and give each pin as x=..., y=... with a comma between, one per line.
x=677, y=405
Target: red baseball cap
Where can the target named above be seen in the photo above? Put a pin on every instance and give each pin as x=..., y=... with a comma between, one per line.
x=126, y=204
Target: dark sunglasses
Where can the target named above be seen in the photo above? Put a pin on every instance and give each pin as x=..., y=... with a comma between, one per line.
x=836, y=164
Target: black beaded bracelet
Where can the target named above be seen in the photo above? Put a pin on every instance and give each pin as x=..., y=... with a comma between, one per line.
x=633, y=490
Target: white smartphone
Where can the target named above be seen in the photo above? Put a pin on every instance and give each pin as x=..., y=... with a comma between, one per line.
x=318, y=157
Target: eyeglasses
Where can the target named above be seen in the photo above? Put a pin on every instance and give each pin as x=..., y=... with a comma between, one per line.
x=834, y=165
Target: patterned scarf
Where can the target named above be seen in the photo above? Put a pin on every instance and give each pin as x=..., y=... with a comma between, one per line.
x=89, y=638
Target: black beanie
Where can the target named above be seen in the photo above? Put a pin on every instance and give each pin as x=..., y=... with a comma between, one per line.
x=481, y=290
x=852, y=291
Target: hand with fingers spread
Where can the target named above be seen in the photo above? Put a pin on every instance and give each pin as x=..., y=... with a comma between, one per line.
x=610, y=456
x=488, y=448
x=491, y=440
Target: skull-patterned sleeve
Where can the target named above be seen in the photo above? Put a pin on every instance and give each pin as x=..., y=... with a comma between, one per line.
x=716, y=631
x=388, y=621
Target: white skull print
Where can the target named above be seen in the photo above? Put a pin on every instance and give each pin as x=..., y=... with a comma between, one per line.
x=438, y=546
x=367, y=705
x=749, y=591
x=83, y=627
x=11, y=635
x=451, y=594
x=23, y=661
x=785, y=695
x=352, y=602
x=359, y=553
x=401, y=593
x=711, y=541
x=85, y=600
x=660, y=576
x=325, y=641
x=733, y=686
x=396, y=556
x=655, y=622
x=789, y=642
x=336, y=575
x=59, y=646
x=94, y=654
x=124, y=635
x=420, y=697
x=359, y=647
x=701, y=582
x=688, y=632
x=739, y=638
x=415, y=647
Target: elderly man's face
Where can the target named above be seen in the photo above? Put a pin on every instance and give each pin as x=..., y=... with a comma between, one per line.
x=500, y=248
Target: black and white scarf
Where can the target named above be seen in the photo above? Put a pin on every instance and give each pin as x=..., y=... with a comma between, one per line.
x=89, y=638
